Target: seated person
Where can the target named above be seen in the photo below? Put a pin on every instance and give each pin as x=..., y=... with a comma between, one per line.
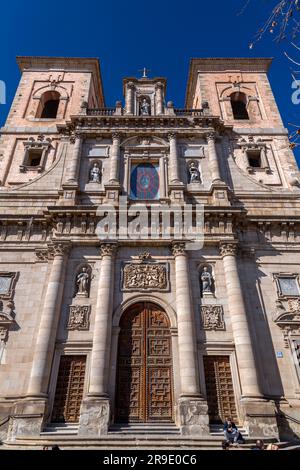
x=231, y=432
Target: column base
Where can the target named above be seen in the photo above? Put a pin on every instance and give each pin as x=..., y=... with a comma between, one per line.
x=260, y=418
x=94, y=417
x=192, y=416
x=28, y=418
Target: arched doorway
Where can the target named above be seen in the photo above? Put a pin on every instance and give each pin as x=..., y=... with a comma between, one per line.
x=144, y=368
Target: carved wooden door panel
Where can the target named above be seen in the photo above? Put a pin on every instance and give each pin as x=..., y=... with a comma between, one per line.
x=144, y=378
x=219, y=389
x=69, y=389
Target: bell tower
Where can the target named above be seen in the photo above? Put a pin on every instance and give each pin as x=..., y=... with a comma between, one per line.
x=144, y=96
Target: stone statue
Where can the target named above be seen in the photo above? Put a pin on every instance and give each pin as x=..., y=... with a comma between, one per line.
x=145, y=108
x=194, y=173
x=206, y=281
x=83, y=281
x=95, y=174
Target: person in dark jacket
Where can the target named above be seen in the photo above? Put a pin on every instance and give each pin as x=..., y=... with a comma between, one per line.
x=231, y=432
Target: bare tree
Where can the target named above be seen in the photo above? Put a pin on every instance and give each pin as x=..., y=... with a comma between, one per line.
x=283, y=23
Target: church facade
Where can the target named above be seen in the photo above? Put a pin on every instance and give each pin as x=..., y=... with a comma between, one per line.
x=149, y=254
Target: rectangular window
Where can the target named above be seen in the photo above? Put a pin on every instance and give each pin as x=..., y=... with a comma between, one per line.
x=34, y=157
x=288, y=286
x=254, y=158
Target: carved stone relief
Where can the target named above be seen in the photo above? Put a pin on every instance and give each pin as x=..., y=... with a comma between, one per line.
x=79, y=317
x=212, y=317
x=145, y=276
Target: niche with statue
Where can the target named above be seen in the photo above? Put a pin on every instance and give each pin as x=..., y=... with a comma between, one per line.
x=83, y=281
x=206, y=279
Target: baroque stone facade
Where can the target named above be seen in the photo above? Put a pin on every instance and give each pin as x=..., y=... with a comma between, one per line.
x=101, y=289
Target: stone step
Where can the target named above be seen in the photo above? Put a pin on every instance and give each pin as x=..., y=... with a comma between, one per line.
x=144, y=428
x=129, y=442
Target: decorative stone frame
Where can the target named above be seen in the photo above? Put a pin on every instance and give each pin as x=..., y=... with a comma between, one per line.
x=146, y=153
x=43, y=145
x=255, y=146
x=280, y=294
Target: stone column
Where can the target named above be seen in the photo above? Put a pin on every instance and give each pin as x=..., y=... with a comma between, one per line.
x=173, y=161
x=46, y=337
x=159, y=98
x=95, y=411
x=240, y=329
x=74, y=163
x=129, y=98
x=114, y=159
x=213, y=158
x=191, y=408
x=162, y=185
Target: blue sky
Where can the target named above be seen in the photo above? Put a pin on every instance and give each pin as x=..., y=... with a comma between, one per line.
x=127, y=35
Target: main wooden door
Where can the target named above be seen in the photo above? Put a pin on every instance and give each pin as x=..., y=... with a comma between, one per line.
x=219, y=389
x=69, y=389
x=144, y=374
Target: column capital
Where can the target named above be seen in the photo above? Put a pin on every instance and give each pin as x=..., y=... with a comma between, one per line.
x=52, y=250
x=172, y=135
x=108, y=249
x=228, y=249
x=116, y=136
x=158, y=85
x=75, y=136
x=178, y=248
x=130, y=85
x=211, y=137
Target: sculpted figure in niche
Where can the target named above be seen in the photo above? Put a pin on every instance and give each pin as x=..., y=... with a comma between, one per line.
x=206, y=281
x=145, y=108
x=95, y=173
x=83, y=282
x=194, y=173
